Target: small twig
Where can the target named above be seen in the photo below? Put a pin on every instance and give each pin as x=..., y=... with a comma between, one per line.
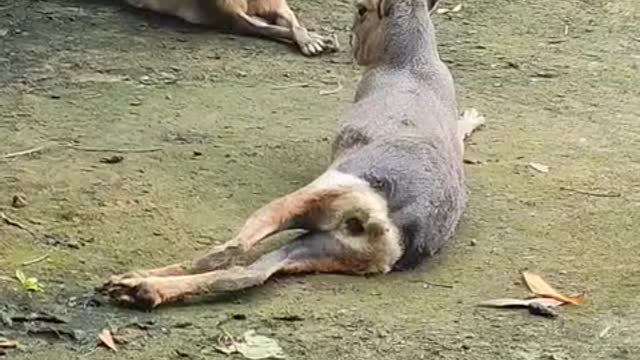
x=80, y=148
x=23, y=152
x=289, y=86
x=96, y=149
x=334, y=91
x=36, y=260
x=17, y=224
x=605, y=331
x=438, y=285
x=434, y=284
x=592, y=193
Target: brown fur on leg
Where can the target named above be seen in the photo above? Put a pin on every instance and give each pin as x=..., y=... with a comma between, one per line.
x=319, y=252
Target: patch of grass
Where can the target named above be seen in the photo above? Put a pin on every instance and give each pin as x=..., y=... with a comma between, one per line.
x=29, y=284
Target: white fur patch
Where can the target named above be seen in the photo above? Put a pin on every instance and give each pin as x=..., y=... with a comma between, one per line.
x=363, y=202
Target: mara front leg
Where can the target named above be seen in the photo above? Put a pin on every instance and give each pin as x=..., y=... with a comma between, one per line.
x=469, y=122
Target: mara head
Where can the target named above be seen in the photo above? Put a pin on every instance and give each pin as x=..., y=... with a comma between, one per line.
x=367, y=31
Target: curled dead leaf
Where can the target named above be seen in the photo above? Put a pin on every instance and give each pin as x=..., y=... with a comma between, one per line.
x=540, y=288
x=107, y=340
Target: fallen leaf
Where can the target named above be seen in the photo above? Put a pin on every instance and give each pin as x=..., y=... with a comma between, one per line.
x=106, y=339
x=521, y=302
x=252, y=346
x=8, y=344
x=539, y=167
x=457, y=8
x=257, y=347
x=539, y=287
x=226, y=349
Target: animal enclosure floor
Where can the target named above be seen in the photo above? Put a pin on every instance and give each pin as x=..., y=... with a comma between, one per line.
x=231, y=122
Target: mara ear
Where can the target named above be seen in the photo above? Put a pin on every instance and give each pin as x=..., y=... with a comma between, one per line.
x=432, y=5
x=384, y=8
x=361, y=7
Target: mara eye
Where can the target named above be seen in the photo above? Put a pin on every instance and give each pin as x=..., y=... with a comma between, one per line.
x=362, y=10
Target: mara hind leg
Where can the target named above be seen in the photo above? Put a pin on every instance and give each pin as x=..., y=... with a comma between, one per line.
x=308, y=42
x=317, y=252
x=469, y=121
x=191, y=11
x=305, y=208
x=286, y=27
x=247, y=17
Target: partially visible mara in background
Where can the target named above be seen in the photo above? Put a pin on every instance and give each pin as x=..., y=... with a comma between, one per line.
x=271, y=19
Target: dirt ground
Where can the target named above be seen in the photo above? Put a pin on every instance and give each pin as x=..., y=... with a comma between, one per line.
x=237, y=121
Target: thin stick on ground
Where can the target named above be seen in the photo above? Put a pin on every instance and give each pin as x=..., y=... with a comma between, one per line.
x=11, y=222
x=81, y=148
x=36, y=260
x=592, y=193
x=289, y=86
x=116, y=150
x=23, y=152
x=447, y=286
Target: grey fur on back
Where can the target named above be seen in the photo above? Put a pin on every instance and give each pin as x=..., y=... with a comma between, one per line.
x=400, y=135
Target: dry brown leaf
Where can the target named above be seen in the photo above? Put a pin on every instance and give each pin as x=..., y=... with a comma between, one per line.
x=106, y=339
x=539, y=287
x=521, y=302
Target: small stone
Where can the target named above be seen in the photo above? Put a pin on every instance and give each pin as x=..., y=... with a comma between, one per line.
x=112, y=159
x=19, y=201
x=473, y=242
x=547, y=74
x=542, y=310
x=145, y=80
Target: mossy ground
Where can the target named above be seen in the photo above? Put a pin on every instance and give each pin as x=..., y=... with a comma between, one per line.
x=557, y=82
